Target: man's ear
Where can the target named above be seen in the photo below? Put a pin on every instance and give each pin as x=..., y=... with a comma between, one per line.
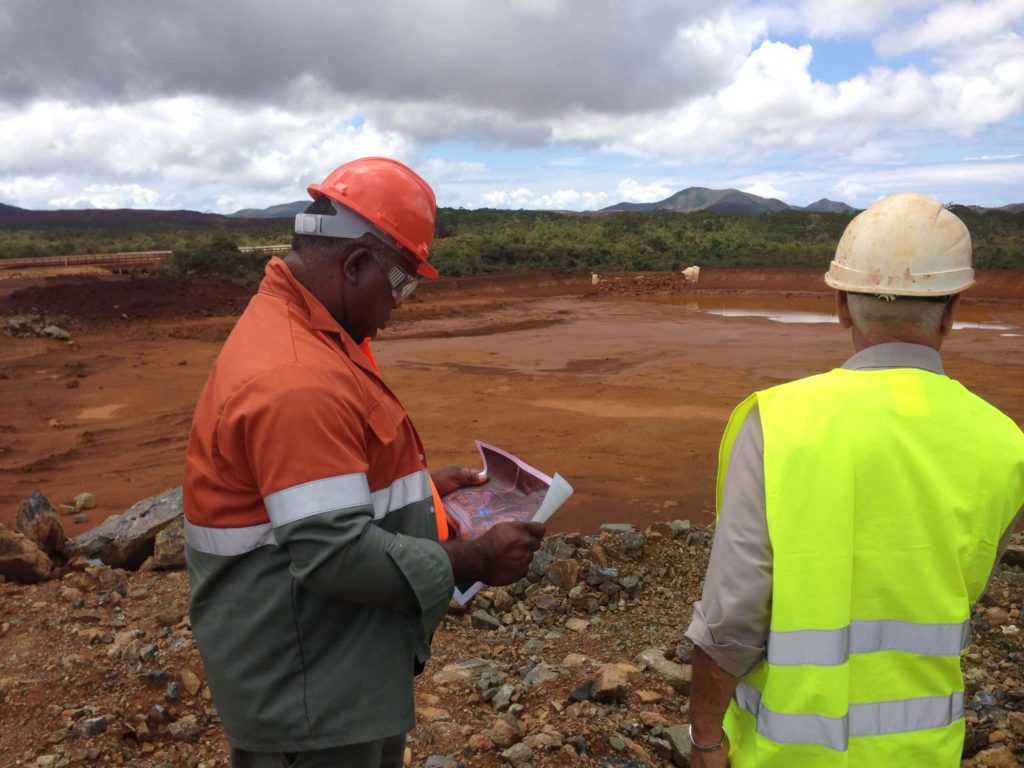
x=843, y=309
x=948, y=314
x=355, y=263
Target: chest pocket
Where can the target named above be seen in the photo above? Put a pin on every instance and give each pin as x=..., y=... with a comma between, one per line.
x=385, y=419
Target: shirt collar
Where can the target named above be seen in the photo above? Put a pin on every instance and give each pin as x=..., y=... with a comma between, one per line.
x=896, y=355
x=279, y=281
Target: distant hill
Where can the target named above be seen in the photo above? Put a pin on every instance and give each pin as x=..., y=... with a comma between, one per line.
x=829, y=206
x=704, y=199
x=729, y=201
x=105, y=217
x=283, y=211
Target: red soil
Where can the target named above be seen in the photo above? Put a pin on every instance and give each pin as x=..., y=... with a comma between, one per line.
x=625, y=393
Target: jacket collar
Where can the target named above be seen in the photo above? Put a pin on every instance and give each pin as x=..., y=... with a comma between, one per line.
x=279, y=281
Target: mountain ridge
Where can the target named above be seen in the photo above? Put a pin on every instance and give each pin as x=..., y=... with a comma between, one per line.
x=689, y=200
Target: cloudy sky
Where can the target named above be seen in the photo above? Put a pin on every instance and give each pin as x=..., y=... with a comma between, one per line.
x=564, y=104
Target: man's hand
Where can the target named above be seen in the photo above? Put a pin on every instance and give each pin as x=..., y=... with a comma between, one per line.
x=501, y=556
x=710, y=692
x=719, y=759
x=452, y=478
x=508, y=550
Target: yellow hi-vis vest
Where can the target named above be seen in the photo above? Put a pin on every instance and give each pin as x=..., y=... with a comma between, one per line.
x=887, y=492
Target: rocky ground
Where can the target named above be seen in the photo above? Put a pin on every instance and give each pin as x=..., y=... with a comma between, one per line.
x=582, y=663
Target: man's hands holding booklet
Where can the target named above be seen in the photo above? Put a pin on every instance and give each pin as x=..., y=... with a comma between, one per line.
x=502, y=554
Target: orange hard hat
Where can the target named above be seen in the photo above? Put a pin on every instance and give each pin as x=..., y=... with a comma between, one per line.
x=390, y=196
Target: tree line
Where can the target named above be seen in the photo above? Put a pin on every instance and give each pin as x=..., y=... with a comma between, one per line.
x=489, y=240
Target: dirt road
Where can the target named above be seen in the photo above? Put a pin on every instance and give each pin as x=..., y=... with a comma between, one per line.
x=623, y=388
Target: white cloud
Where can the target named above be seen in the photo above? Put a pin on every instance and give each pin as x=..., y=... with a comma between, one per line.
x=633, y=191
x=764, y=189
x=500, y=199
x=107, y=196
x=940, y=180
x=1010, y=156
x=30, y=191
x=774, y=105
x=183, y=143
x=953, y=24
x=559, y=200
x=662, y=89
x=841, y=18
x=437, y=170
x=567, y=162
x=877, y=153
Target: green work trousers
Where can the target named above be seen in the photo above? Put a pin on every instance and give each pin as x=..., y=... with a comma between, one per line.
x=384, y=753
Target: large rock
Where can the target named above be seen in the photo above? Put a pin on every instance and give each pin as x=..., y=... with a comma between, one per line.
x=563, y=573
x=676, y=675
x=679, y=739
x=611, y=683
x=21, y=559
x=39, y=521
x=126, y=540
x=169, y=546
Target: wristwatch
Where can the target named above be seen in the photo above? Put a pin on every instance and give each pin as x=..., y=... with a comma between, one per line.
x=706, y=747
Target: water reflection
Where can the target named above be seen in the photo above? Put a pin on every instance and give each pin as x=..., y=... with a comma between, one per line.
x=776, y=316
x=820, y=309
x=821, y=317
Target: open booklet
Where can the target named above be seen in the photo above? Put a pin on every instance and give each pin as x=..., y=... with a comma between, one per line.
x=514, y=491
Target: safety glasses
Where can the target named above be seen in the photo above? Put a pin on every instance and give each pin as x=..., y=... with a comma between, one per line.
x=402, y=283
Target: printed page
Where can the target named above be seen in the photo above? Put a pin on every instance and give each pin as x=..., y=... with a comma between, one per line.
x=514, y=491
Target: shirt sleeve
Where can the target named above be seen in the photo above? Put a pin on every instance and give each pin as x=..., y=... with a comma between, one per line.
x=301, y=433
x=730, y=623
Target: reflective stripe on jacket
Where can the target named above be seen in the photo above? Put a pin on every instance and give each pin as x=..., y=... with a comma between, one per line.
x=886, y=493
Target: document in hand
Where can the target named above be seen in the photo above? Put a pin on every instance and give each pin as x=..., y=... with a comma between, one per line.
x=514, y=491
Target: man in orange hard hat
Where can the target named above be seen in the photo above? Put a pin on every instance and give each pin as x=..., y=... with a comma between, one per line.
x=861, y=512
x=315, y=539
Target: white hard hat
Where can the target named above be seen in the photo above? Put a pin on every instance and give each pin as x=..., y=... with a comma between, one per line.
x=903, y=245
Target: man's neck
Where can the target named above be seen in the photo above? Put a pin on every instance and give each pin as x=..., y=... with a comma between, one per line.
x=863, y=340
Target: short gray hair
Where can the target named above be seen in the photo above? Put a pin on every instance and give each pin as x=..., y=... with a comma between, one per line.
x=873, y=312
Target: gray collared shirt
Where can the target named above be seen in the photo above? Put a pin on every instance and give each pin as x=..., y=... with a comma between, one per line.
x=731, y=620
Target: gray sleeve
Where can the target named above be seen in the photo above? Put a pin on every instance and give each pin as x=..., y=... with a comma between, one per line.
x=730, y=623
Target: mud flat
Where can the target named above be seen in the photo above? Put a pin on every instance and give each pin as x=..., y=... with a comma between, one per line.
x=624, y=387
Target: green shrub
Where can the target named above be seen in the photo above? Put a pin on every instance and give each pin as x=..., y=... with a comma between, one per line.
x=217, y=256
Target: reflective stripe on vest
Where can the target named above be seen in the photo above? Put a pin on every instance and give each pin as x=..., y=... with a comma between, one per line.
x=874, y=719
x=829, y=647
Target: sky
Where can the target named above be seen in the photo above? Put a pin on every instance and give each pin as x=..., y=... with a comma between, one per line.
x=538, y=104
